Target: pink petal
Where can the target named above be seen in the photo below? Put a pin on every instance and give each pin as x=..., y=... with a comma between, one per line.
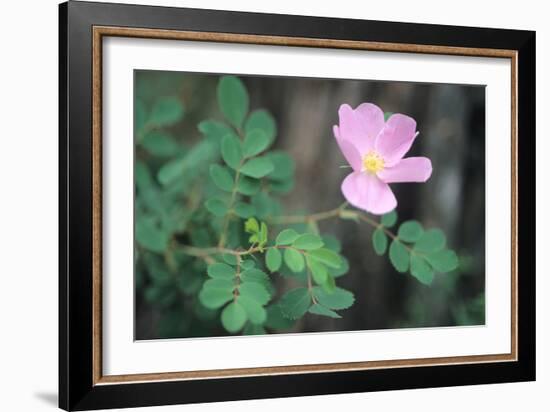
x=411, y=169
x=361, y=126
x=396, y=138
x=348, y=150
x=366, y=191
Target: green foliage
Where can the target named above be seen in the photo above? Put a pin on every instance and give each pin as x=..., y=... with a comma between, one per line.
x=216, y=206
x=273, y=259
x=286, y=237
x=257, y=167
x=216, y=292
x=255, y=142
x=421, y=270
x=327, y=257
x=232, y=153
x=379, y=241
x=410, y=231
x=165, y=112
x=426, y=254
x=261, y=120
x=234, y=317
x=389, y=219
x=294, y=260
x=160, y=144
x=233, y=100
x=258, y=232
x=150, y=235
x=430, y=241
x=208, y=245
x=317, y=309
x=308, y=241
x=337, y=299
x=399, y=256
x=221, y=177
x=295, y=303
x=221, y=271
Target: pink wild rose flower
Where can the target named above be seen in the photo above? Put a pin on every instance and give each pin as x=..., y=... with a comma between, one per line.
x=375, y=149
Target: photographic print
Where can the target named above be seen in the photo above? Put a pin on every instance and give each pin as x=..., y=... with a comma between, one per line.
x=271, y=205
x=341, y=194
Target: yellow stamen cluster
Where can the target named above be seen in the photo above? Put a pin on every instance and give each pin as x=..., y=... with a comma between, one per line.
x=373, y=162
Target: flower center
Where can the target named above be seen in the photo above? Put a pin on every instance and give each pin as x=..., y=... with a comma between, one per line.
x=372, y=162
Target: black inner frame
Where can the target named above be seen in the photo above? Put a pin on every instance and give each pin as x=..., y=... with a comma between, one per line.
x=76, y=388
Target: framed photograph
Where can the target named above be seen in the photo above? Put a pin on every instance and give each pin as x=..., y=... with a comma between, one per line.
x=257, y=205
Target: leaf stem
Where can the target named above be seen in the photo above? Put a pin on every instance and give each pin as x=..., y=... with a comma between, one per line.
x=225, y=225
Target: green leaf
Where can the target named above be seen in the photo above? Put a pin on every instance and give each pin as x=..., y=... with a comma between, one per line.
x=283, y=165
x=216, y=206
x=379, y=242
x=233, y=317
x=191, y=164
x=327, y=257
x=150, y=236
x=399, y=256
x=248, y=186
x=263, y=233
x=215, y=295
x=308, y=241
x=323, y=311
x=332, y=242
x=410, y=231
x=214, y=130
x=231, y=151
x=160, y=144
x=254, y=275
x=286, y=237
x=261, y=119
x=221, y=271
x=257, y=167
x=273, y=259
x=255, y=291
x=330, y=285
x=166, y=111
x=251, y=226
x=233, y=99
x=171, y=171
x=318, y=270
x=276, y=320
x=247, y=264
x=443, y=261
x=221, y=177
x=244, y=210
x=389, y=219
x=295, y=303
x=421, y=270
x=255, y=142
x=431, y=240
x=387, y=115
x=230, y=259
x=338, y=299
x=294, y=260
x=255, y=312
